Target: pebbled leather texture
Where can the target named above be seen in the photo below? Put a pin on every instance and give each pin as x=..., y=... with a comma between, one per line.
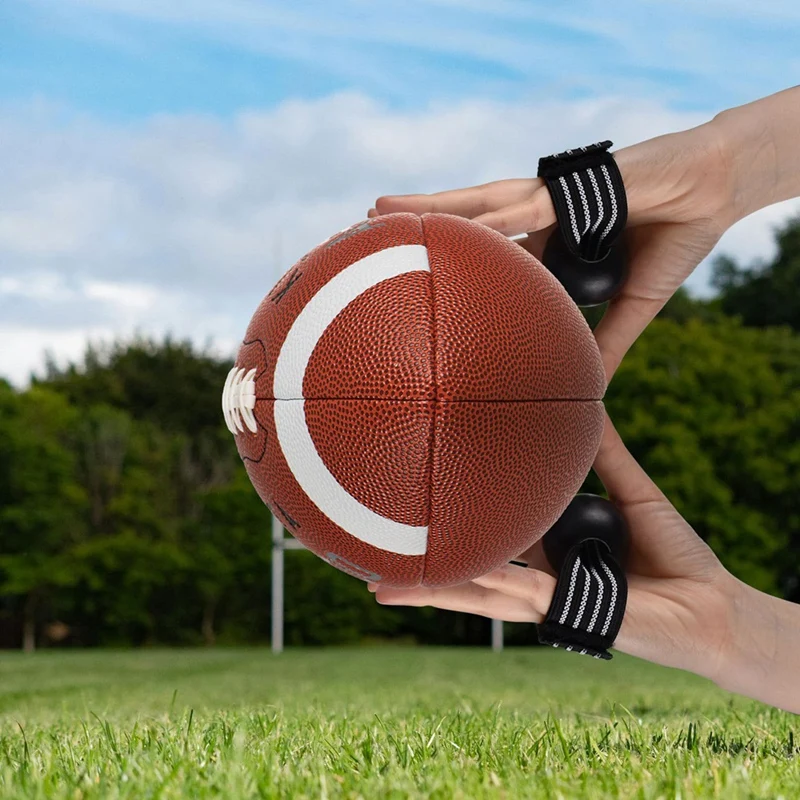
x=464, y=398
x=505, y=329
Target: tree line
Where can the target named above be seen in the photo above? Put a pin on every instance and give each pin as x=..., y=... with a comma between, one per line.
x=126, y=517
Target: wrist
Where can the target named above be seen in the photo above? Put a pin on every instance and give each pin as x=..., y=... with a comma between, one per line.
x=762, y=648
x=734, y=642
x=749, y=155
x=716, y=649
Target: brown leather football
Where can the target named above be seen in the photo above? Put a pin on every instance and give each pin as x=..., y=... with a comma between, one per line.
x=417, y=400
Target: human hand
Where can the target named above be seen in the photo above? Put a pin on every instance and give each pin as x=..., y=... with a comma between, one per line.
x=679, y=204
x=680, y=598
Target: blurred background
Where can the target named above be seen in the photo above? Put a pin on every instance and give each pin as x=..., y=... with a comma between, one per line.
x=162, y=164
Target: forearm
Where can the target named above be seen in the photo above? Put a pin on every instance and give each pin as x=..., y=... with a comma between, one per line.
x=761, y=141
x=762, y=657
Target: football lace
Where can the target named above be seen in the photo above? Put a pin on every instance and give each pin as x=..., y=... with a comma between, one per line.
x=239, y=400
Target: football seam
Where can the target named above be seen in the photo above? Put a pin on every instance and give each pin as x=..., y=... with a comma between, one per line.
x=434, y=401
x=394, y=400
x=434, y=415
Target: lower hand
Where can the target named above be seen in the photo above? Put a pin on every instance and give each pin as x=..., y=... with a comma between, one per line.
x=680, y=598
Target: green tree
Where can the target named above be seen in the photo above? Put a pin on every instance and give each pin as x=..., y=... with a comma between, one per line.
x=169, y=383
x=710, y=410
x=42, y=504
x=325, y=606
x=133, y=563
x=229, y=547
x=765, y=293
x=102, y=438
x=126, y=512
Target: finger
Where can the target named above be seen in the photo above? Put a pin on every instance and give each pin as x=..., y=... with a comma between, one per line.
x=624, y=321
x=535, y=558
x=521, y=583
x=531, y=214
x=625, y=481
x=536, y=241
x=468, y=598
x=468, y=203
x=373, y=212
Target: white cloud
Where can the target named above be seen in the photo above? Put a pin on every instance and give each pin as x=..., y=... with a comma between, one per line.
x=183, y=223
x=23, y=347
x=130, y=297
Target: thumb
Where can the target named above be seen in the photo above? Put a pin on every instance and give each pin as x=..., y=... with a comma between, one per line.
x=663, y=544
x=625, y=319
x=625, y=481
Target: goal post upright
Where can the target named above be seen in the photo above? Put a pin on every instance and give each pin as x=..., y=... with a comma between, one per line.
x=277, y=586
x=497, y=635
x=280, y=544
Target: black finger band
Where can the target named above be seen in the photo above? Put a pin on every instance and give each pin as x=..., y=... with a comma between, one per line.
x=589, y=198
x=589, y=602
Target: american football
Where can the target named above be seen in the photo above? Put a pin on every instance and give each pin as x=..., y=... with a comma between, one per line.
x=417, y=400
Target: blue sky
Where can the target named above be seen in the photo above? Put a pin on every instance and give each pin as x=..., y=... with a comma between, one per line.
x=128, y=58
x=163, y=162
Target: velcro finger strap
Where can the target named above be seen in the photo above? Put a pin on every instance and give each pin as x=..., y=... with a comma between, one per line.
x=589, y=198
x=589, y=602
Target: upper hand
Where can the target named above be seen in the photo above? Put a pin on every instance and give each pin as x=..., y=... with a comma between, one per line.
x=679, y=204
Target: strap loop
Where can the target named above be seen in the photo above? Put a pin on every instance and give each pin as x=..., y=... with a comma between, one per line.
x=589, y=198
x=589, y=602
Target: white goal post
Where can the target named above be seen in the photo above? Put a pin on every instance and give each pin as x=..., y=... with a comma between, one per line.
x=280, y=544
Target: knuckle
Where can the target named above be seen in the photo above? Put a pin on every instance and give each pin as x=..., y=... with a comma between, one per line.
x=534, y=580
x=484, y=600
x=532, y=216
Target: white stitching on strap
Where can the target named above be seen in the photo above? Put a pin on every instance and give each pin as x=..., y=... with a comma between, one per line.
x=587, y=585
x=572, y=582
x=598, y=602
x=571, y=209
x=613, y=219
x=613, y=600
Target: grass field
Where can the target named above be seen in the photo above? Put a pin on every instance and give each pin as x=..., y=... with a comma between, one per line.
x=380, y=723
